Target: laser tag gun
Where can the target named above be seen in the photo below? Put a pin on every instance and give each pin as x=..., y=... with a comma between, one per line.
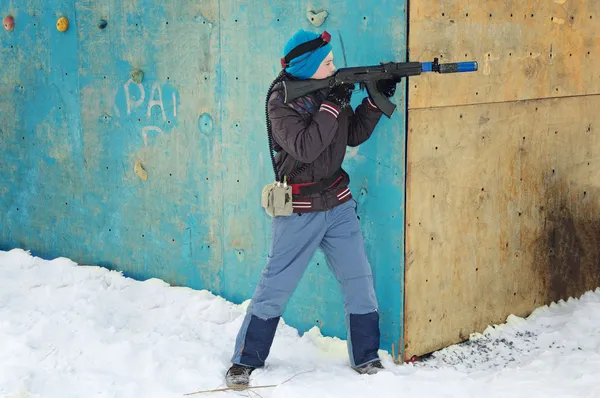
x=368, y=76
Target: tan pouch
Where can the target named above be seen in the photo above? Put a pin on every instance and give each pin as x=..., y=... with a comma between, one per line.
x=276, y=199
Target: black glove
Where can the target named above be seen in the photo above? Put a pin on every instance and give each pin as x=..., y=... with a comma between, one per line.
x=340, y=94
x=388, y=86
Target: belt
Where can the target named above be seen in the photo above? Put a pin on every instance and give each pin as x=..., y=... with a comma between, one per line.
x=309, y=188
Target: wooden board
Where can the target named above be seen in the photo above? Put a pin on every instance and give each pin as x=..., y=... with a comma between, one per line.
x=503, y=214
x=526, y=49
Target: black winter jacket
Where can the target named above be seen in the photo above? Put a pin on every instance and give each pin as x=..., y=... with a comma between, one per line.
x=311, y=130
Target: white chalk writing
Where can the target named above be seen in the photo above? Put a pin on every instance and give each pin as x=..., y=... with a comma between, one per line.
x=135, y=100
x=130, y=103
x=174, y=105
x=147, y=129
x=153, y=102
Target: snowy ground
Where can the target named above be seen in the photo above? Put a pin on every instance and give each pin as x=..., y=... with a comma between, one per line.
x=78, y=331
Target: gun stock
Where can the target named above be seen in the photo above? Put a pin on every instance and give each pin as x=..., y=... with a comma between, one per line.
x=299, y=88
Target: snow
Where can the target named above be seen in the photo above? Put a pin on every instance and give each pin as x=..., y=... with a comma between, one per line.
x=69, y=330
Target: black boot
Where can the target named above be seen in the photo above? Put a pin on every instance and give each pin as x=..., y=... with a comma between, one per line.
x=370, y=368
x=238, y=376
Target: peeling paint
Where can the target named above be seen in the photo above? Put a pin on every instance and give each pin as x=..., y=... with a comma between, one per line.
x=487, y=68
x=87, y=136
x=204, y=20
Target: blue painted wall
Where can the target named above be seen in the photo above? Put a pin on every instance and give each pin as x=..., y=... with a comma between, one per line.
x=73, y=125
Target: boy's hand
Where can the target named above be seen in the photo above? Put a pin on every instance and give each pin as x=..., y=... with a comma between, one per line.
x=388, y=86
x=340, y=94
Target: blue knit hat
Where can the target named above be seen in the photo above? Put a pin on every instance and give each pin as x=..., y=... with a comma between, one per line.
x=305, y=65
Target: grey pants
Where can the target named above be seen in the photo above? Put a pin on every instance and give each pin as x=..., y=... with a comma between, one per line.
x=294, y=240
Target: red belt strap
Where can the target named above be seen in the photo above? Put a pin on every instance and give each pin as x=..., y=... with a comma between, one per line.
x=305, y=189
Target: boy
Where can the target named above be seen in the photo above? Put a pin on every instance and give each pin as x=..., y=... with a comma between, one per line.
x=310, y=136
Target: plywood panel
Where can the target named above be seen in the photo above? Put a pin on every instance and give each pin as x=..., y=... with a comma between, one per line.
x=76, y=125
x=40, y=144
x=503, y=214
x=73, y=125
x=525, y=49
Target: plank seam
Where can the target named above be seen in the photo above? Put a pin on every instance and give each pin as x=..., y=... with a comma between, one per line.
x=503, y=102
x=401, y=344
x=220, y=94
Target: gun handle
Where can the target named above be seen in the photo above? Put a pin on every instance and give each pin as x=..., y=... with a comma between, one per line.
x=380, y=100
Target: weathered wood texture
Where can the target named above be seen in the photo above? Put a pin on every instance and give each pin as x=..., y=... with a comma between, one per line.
x=503, y=214
x=503, y=186
x=525, y=49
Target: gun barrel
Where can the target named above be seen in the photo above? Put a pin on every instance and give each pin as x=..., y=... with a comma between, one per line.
x=369, y=74
x=456, y=67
